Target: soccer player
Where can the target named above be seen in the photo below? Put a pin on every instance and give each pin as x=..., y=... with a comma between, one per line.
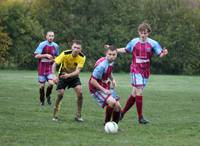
x=71, y=62
x=100, y=88
x=45, y=53
x=142, y=49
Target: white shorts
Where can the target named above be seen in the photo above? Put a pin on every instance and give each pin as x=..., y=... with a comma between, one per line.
x=101, y=97
x=45, y=78
x=137, y=80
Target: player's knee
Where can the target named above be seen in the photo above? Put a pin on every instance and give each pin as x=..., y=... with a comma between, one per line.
x=138, y=92
x=80, y=94
x=111, y=102
x=117, y=107
x=41, y=86
x=51, y=83
x=60, y=94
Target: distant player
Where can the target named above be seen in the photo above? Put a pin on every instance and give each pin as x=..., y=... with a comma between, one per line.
x=45, y=53
x=71, y=62
x=101, y=82
x=141, y=49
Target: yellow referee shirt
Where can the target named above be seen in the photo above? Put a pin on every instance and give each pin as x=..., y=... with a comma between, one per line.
x=68, y=63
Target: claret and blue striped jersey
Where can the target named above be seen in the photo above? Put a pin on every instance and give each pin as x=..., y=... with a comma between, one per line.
x=102, y=71
x=141, y=55
x=44, y=64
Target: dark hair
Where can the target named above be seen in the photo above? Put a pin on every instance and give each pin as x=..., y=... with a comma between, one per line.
x=110, y=47
x=76, y=42
x=144, y=26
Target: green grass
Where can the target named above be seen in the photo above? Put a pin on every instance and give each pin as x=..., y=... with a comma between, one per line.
x=171, y=103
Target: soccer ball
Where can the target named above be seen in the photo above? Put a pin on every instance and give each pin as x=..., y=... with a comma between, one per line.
x=111, y=127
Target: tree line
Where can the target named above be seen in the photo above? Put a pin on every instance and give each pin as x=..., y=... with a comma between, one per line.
x=175, y=24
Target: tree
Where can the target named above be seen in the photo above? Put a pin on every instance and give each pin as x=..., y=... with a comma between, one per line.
x=24, y=32
x=5, y=43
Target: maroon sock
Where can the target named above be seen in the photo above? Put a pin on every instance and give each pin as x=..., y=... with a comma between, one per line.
x=108, y=113
x=129, y=103
x=49, y=89
x=42, y=94
x=115, y=117
x=139, y=106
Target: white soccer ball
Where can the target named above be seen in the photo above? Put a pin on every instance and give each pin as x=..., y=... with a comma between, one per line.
x=111, y=127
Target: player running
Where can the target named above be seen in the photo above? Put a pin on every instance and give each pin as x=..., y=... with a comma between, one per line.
x=142, y=49
x=45, y=53
x=71, y=62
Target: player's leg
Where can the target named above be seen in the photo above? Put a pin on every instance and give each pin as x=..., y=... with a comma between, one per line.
x=101, y=99
x=60, y=89
x=49, y=88
x=116, y=112
x=108, y=113
x=42, y=80
x=58, y=103
x=110, y=101
x=129, y=103
x=79, y=94
x=131, y=99
x=42, y=93
x=117, y=107
x=139, y=101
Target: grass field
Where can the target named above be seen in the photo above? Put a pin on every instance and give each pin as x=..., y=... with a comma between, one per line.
x=171, y=103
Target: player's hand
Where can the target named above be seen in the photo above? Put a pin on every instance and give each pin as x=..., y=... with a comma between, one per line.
x=55, y=80
x=65, y=76
x=165, y=51
x=106, y=46
x=107, y=91
x=114, y=84
x=49, y=56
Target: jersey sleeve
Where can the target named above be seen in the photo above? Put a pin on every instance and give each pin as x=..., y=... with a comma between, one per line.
x=98, y=72
x=40, y=48
x=130, y=46
x=57, y=49
x=81, y=62
x=157, y=48
x=59, y=59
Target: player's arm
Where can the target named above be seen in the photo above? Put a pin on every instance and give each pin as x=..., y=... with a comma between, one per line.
x=158, y=50
x=97, y=75
x=77, y=71
x=72, y=74
x=119, y=50
x=40, y=56
x=112, y=80
x=58, y=63
x=163, y=53
x=54, y=68
x=38, y=52
x=94, y=82
x=55, y=78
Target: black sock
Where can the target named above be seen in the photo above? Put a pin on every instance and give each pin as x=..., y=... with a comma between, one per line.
x=49, y=90
x=42, y=94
